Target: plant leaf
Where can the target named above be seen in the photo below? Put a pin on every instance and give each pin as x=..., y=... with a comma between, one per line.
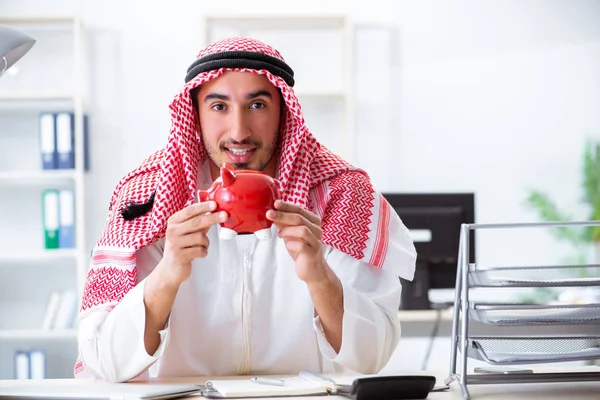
x=591, y=185
x=548, y=211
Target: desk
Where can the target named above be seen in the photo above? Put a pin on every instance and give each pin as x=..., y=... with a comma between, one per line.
x=548, y=391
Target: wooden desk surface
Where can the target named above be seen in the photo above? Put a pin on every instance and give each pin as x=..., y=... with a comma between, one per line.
x=545, y=391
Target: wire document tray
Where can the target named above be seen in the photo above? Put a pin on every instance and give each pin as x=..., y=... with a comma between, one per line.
x=504, y=349
x=569, y=275
x=520, y=315
x=525, y=350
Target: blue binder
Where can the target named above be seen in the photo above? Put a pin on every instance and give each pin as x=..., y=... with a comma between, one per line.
x=48, y=151
x=65, y=142
x=66, y=229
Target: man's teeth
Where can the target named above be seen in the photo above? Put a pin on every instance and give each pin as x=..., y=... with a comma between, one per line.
x=239, y=152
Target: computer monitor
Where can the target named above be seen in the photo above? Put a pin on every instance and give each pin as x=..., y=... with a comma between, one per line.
x=434, y=220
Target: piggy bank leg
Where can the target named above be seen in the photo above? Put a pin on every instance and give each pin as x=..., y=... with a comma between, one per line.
x=263, y=234
x=227, y=234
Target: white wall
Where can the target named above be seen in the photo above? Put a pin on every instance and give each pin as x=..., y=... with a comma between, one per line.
x=493, y=97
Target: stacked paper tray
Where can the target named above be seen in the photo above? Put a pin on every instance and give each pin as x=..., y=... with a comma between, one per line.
x=532, y=350
x=519, y=315
x=535, y=276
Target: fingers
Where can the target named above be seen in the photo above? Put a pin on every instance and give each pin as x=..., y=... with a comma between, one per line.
x=194, y=252
x=285, y=219
x=192, y=211
x=199, y=223
x=286, y=207
x=193, y=239
x=301, y=233
x=294, y=247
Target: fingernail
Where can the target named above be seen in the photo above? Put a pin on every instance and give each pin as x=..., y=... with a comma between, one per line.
x=271, y=214
x=223, y=216
x=278, y=203
x=212, y=205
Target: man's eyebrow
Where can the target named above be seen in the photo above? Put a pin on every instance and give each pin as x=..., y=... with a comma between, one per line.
x=217, y=96
x=249, y=96
x=258, y=93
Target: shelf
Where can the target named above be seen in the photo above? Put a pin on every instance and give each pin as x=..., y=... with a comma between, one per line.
x=425, y=315
x=36, y=97
x=37, y=177
x=38, y=334
x=35, y=101
x=58, y=19
x=43, y=256
x=280, y=21
x=302, y=94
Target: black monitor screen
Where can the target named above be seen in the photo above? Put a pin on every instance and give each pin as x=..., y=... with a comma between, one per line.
x=434, y=221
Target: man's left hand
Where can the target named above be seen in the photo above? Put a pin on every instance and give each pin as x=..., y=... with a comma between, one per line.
x=301, y=231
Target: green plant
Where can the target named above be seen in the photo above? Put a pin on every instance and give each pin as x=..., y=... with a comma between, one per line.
x=581, y=238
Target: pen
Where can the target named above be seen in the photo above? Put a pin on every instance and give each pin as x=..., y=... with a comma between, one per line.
x=267, y=381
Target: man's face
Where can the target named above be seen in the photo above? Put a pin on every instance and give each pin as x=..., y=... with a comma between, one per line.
x=239, y=118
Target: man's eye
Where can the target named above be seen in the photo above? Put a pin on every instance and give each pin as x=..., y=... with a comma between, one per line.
x=257, y=104
x=218, y=107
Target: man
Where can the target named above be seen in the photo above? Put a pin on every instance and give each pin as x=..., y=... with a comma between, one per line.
x=165, y=295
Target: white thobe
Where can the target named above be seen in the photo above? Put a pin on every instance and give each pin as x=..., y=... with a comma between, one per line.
x=243, y=310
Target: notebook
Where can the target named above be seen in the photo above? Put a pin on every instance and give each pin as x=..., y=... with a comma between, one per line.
x=294, y=386
x=95, y=390
x=306, y=383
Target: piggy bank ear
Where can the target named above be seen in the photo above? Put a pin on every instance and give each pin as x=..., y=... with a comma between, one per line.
x=228, y=166
x=227, y=176
x=202, y=195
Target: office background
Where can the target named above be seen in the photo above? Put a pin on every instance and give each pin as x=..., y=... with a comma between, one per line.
x=490, y=97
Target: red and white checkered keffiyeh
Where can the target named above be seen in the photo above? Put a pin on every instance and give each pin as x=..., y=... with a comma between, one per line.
x=355, y=218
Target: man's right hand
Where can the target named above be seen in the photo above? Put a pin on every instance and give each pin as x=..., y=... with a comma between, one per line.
x=186, y=239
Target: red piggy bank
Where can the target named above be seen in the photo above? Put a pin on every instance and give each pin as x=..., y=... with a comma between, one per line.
x=246, y=196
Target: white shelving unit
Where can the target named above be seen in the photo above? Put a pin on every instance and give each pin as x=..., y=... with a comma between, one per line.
x=38, y=334
x=310, y=43
x=49, y=78
x=35, y=257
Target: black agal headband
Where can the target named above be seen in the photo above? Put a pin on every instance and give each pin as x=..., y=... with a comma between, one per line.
x=241, y=59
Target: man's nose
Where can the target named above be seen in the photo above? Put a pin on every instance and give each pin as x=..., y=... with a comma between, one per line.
x=239, y=125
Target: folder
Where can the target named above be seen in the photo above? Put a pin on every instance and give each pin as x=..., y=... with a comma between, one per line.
x=66, y=232
x=65, y=140
x=52, y=308
x=21, y=365
x=50, y=216
x=66, y=311
x=37, y=364
x=48, y=141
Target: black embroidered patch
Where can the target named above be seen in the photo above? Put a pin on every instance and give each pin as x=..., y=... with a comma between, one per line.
x=134, y=210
